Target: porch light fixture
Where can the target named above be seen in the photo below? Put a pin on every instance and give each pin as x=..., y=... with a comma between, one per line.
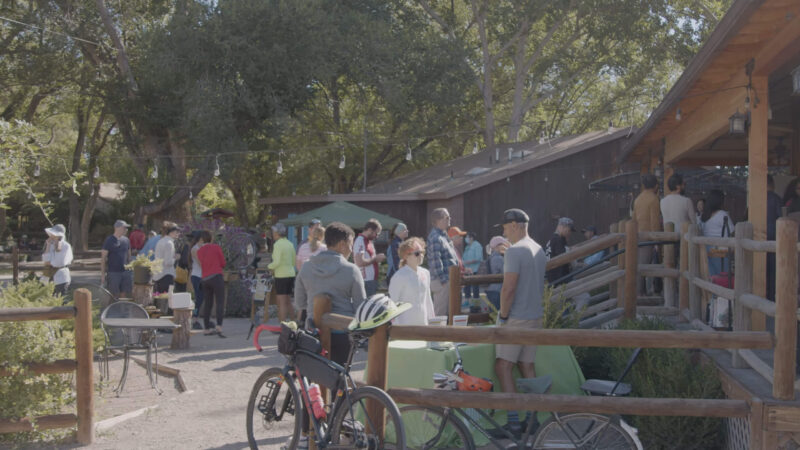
x=796, y=81
x=737, y=123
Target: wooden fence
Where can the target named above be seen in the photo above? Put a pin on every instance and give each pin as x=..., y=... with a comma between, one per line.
x=81, y=313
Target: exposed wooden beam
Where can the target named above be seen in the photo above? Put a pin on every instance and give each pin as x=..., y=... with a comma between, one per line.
x=707, y=122
x=757, y=190
x=780, y=49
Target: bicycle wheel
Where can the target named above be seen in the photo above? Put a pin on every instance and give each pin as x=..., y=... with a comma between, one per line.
x=273, y=412
x=584, y=431
x=352, y=428
x=431, y=428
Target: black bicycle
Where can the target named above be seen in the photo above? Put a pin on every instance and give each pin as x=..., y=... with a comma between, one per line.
x=275, y=416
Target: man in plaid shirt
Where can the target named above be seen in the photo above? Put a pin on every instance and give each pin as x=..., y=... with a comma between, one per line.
x=441, y=255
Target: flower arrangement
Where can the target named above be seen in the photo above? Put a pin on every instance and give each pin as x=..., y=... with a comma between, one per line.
x=143, y=261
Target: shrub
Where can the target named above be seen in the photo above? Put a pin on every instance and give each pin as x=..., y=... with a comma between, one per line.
x=24, y=395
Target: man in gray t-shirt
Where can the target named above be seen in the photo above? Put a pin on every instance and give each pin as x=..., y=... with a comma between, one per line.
x=520, y=302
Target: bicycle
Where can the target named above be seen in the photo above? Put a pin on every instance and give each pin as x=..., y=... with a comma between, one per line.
x=433, y=427
x=274, y=412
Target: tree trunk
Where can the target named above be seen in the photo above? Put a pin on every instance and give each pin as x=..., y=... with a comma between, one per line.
x=241, y=205
x=485, y=82
x=74, y=225
x=86, y=218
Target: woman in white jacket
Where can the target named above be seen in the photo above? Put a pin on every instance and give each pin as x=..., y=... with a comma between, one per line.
x=58, y=255
x=412, y=284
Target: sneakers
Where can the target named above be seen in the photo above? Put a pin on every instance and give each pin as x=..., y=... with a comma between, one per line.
x=196, y=326
x=302, y=443
x=502, y=433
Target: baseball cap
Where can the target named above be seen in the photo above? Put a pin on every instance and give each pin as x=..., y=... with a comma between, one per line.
x=514, y=215
x=567, y=222
x=591, y=228
x=121, y=223
x=315, y=222
x=455, y=231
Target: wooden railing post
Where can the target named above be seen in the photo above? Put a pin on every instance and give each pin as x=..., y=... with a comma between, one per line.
x=785, y=310
x=84, y=382
x=694, y=272
x=669, y=262
x=377, y=365
x=743, y=285
x=683, y=283
x=631, y=267
x=455, y=294
x=621, y=265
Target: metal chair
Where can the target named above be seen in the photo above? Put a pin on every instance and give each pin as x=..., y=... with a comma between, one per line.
x=126, y=339
x=101, y=298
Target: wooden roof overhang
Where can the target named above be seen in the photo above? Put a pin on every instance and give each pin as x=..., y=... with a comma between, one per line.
x=713, y=87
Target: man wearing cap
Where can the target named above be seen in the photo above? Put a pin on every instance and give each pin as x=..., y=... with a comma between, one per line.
x=558, y=245
x=282, y=267
x=441, y=255
x=115, y=254
x=58, y=256
x=520, y=303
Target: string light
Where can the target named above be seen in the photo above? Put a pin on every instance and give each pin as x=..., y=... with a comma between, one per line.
x=280, y=164
x=542, y=138
x=74, y=186
x=216, y=166
x=61, y=194
x=475, y=148
x=96, y=172
x=154, y=175
x=157, y=193
x=190, y=194
x=409, y=156
x=37, y=170
x=545, y=177
x=678, y=115
x=342, y=162
x=610, y=127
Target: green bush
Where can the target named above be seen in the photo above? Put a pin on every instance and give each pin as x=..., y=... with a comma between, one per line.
x=669, y=373
x=24, y=395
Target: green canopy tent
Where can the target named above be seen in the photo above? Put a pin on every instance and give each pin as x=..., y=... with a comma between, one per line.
x=347, y=213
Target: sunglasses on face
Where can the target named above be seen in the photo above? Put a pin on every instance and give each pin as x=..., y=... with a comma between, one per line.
x=418, y=253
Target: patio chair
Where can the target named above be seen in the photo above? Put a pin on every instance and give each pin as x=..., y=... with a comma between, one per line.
x=126, y=339
x=101, y=298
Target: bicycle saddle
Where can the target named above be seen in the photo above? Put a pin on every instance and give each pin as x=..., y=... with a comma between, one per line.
x=606, y=388
x=538, y=385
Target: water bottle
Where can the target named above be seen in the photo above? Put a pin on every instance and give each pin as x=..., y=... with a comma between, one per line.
x=317, y=404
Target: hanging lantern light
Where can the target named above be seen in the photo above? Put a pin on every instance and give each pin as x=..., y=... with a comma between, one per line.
x=737, y=123
x=475, y=148
x=747, y=102
x=342, y=162
x=154, y=175
x=96, y=172
x=216, y=166
x=37, y=170
x=796, y=81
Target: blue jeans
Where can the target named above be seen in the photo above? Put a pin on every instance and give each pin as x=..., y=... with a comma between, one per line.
x=474, y=289
x=198, y=294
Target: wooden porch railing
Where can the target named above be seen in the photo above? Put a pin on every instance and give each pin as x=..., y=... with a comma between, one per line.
x=82, y=365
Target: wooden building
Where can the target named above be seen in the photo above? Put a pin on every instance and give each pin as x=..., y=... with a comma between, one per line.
x=547, y=180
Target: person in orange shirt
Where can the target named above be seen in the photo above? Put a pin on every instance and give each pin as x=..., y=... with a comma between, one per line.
x=647, y=213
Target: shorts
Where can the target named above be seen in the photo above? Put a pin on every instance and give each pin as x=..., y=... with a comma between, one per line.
x=518, y=353
x=284, y=286
x=119, y=282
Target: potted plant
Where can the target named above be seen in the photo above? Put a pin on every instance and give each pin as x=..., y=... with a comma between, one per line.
x=143, y=268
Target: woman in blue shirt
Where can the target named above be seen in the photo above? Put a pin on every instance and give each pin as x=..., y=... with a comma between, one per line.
x=399, y=233
x=472, y=258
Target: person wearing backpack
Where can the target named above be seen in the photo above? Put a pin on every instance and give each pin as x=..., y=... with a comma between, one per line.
x=716, y=223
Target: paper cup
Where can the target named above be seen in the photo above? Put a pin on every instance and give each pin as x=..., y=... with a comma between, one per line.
x=460, y=320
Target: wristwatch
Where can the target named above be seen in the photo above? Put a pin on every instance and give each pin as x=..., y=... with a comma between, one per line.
x=501, y=320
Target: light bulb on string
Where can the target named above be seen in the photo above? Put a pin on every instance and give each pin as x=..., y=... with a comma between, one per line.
x=158, y=194
x=154, y=175
x=678, y=115
x=409, y=156
x=216, y=166
x=475, y=148
x=190, y=194
x=610, y=127
x=96, y=172
x=583, y=175
x=61, y=194
x=747, y=102
x=37, y=170
x=542, y=138
x=342, y=162
x=545, y=177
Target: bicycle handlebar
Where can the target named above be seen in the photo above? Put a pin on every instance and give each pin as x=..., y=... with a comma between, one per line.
x=262, y=327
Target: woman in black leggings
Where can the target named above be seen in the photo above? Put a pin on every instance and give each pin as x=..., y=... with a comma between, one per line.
x=212, y=262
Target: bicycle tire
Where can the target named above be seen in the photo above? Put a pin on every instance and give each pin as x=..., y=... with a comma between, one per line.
x=423, y=431
x=350, y=427
x=582, y=430
x=266, y=424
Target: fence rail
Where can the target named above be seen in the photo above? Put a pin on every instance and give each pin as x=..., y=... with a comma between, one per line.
x=81, y=313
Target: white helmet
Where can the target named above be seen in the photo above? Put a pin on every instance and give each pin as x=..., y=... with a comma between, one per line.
x=376, y=311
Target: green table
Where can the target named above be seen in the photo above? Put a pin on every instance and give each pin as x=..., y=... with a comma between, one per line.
x=412, y=364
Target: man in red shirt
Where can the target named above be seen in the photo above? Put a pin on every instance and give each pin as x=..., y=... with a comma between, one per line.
x=137, y=239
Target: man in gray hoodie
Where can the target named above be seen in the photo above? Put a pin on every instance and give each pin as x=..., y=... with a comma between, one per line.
x=330, y=273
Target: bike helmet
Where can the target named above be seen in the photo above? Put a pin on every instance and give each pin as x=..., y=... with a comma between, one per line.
x=472, y=383
x=376, y=311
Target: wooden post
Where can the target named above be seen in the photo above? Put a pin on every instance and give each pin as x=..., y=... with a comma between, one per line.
x=621, y=265
x=785, y=310
x=669, y=262
x=631, y=267
x=612, y=287
x=743, y=285
x=322, y=306
x=757, y=189
x=143, y=294
x=455, y=294
x=15, y=264
x=377, y=365
x=683, y=283
x=182, y=335
x=84, y=382
x=694, y=272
